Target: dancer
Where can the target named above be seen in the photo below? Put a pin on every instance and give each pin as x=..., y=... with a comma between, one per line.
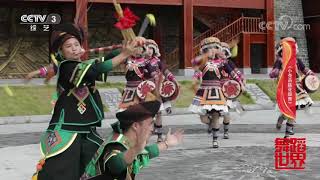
x=303, y=99
x=232, y=102
x=71, y=138
x=209, y=101
x=126, y=152
x=169, y=88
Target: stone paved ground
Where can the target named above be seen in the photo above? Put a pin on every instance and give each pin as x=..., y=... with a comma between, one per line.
x=247, y=155
x=244, y=156
x=258, y=95
x=234, y=163
x=20, y=139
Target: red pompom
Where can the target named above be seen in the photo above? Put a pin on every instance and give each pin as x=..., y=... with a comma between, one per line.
x=39, y=167
x=127, y=21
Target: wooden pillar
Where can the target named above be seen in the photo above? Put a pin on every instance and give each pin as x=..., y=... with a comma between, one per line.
x=246, y=51
x=187, y=33
x=270, y=34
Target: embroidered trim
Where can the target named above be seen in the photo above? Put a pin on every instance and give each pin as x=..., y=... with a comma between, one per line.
x=61, y=150
x=138, y=72
x=103, y=75
x=83, y=74
x=96, y=108
x=73, y=74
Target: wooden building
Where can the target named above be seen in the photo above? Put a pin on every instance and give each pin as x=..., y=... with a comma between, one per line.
x=181, y=25
x=311, y=14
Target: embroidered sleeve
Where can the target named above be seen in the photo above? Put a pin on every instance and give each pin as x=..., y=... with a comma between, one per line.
x=169, y=75
x=104, y=66
x=231, y=72
x=105, y=63
x=116, y=163
x=197, y=75
x=43, y=72
x=113, y=54
x=161, y=65
x=235, y=69
x=102, y=76
x=196, y=61
x=153, y=150
x=48, y=71
x=303, y=68
x=152, y=68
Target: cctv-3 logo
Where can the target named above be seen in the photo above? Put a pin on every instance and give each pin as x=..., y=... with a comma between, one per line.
x=40, y=19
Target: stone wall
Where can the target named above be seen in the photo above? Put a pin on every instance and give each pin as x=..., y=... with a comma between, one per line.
x=290, y=14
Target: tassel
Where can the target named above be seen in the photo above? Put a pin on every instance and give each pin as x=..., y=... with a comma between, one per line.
x=145, y=160
x=40, y=165
x=39, y=168
x=141, y=161
x=35, y=176
x=136, y=167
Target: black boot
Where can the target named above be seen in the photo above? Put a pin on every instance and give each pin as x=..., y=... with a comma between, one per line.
x=209, y=128
x=289, y=130
x=226, y=130
x=281, y=118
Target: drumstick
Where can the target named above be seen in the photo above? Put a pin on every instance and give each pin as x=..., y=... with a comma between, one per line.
x=107, y=48
x=8, y=90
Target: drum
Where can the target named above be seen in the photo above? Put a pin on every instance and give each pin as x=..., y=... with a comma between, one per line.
x=231, y=89
x=144, y=88
x=310, y=83
x=169, y=90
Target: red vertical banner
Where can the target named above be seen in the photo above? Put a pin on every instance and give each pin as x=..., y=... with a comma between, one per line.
x=81, y=19
x=286, y=90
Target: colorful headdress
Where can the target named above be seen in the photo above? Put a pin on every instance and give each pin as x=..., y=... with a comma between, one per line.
x=279, y=45
x=226, y=49
x=152, y=44
x=208, y=43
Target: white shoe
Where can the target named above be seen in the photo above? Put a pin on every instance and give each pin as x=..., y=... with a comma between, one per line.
x=226, y=135
x=215, y=144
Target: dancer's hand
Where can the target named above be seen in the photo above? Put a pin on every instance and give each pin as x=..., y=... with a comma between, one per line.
x=133, y=47
x=129, y=48
x=243, y=87
x=30, y=75
x=310, y=73
x=140, y=40
x=244, y=82
x=175, y=138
